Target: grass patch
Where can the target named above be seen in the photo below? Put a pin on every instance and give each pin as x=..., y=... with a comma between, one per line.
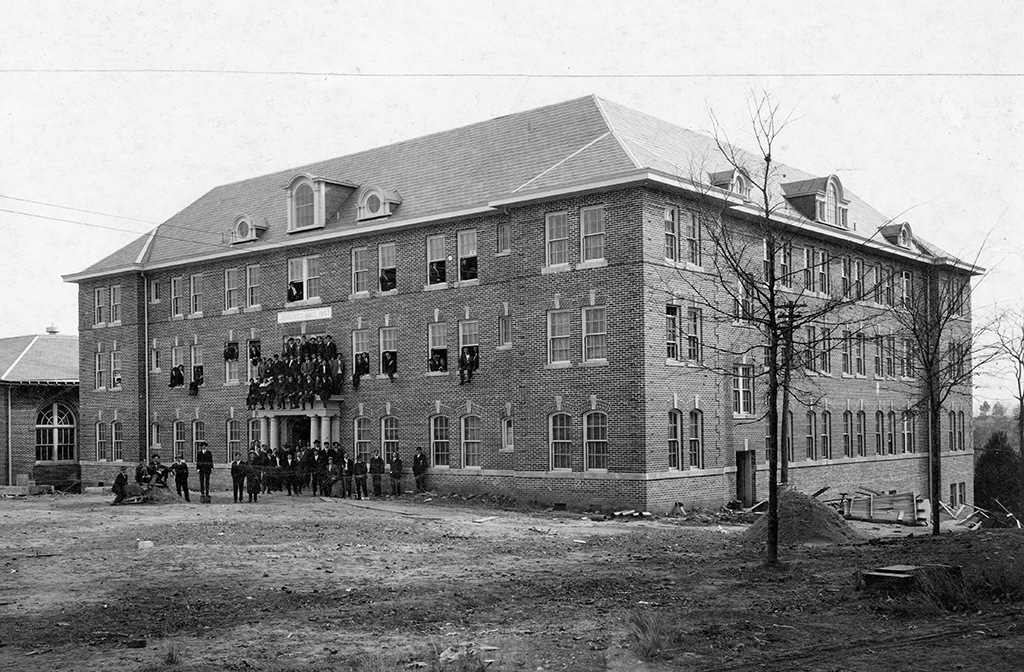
x=652, y=633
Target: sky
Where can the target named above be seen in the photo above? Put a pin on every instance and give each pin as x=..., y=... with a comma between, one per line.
x=114, y=117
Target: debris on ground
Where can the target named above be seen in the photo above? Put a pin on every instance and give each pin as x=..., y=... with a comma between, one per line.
x=803, y=519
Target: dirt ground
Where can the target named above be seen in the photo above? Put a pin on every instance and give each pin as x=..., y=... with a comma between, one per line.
x=309, y=584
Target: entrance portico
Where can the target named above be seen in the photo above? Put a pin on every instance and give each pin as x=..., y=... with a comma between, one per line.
x=282, y=426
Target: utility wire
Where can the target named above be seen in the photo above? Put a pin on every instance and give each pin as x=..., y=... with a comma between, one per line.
x=507, y=75
x=68, y=207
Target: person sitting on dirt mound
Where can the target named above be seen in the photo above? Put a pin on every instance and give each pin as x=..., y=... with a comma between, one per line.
x=157, y=471
x=120, y=486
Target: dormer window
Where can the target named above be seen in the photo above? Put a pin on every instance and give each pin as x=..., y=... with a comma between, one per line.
x=832, y=208
x=304, y=217
x=244, y=230
x=307, y=199
x=376, y=202
x=740, y=185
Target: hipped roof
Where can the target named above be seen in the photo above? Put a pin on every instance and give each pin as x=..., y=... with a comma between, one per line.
x=39, y=359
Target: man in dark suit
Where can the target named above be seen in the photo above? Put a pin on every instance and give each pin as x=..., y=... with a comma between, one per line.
x=376, y=472
x=419, y=470
x=396, y=475
x=204, y=465
x=180, y=470
x=238, y=470
x=120, y=486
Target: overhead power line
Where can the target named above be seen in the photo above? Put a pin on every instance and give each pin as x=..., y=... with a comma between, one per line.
x=503, y=75
x=68, y=207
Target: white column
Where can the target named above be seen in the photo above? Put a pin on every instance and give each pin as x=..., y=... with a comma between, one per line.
x=336, y=428
x=275, y=434
x=314, y=429
x=325, y=430
x=264, y=431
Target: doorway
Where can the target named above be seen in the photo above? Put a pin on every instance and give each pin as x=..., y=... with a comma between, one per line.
x=298, y=431
x=745, y=483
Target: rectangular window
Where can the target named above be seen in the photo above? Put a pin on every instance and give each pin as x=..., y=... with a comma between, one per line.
x=907, y=288
x=596, y=447
x=907, y=436
x=439, y=446
x=437, y=334
x=846, y=275
x=879, y=433
x=469, y=340
x=231, y=289
x=862, y=431
x=743, y=305
x=674, y=431
x=809, y=275
x=115, y=368
x=467, y=255
x=693, y=334
x=786, y=266
x=890, y=434
x=592, y=231
x=824, y=277
x=858, y=279
x=252, y=285
x=102, y=438
x=115, y=303
x=507, y=434
x=471, y=441
x=671, y=234
x=876, y=283
x=879, y=353
x=556, y=238
x=177, y=356
x=811, y=349
x=101, y=371
x=672, y=332
x=178, y=432
x=154, y=359
x=388, y=351
x=504, y=243
x=561, y=441
x=360, y=270
x=558, y=336
x=858, y=355
x=595, y=332
x=811, y=438
x=825, y=351
x=99, y=306
x=361, y=352
x=890, y=287
x=231, y=364
x=387, y=262
x=388, y=439
x=437, y=258
x=255, y=353
x=197, y=364
x=117, y=437
x=504, y=331
x=890, y=353
x=826, y=436
x=195, y=284
x=847, y=434
x=692, y=230
x=962, y=489
x=696, y=437
x=847, y=346
x=907, y=359
x=154, y=291
x=743, y=390
x=234, y=435
x=303, y=278
x=361, y=437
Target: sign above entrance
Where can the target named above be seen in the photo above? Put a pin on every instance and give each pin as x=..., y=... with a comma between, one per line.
x=304, y=315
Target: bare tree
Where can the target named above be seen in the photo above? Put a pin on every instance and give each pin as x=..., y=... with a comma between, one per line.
x=782, y=313
x=1010, y=347
x=942, y=348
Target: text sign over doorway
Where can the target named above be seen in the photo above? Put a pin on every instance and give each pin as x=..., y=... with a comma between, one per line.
x=304, y=315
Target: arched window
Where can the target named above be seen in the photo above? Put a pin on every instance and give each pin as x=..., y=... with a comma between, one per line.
x=696, y=439
x=560, y=441
x=102, y=440
x=952, y=430
x=960, y=432
x=595, y=427
x=361, y=438
x=439, y=445
x=55, y=433
x=675, y=430
x=254, y=436
x=826, y=436
x=890, y=434
x=879, y=433
x=304, y=206
x=178, y=430
x=198, y=434
x=117, y=438
x=831, y=204
x=847, y=434
x=471, y=441
x=862, y=431
x=907, y=444
x=811, y=438
x=388, y=438
x=234, y=433
x=787, y=439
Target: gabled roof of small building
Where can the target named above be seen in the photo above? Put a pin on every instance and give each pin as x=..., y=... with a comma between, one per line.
x=39, y=359
x=576, y=142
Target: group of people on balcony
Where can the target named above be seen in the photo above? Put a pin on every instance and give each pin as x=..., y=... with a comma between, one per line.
x=306, y=370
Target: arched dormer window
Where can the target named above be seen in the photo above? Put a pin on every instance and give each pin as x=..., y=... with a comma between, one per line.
x=375, y=202
x=245, y=230
x=832, y=207
x=831, y=204
x=305, y=204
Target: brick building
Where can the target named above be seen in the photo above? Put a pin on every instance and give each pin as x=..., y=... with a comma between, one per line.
x=39, y=422
x=563, y=247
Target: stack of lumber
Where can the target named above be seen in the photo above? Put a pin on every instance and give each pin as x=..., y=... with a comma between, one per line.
x=902, y=508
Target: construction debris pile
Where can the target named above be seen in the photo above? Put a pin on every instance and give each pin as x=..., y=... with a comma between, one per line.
x=802, y=519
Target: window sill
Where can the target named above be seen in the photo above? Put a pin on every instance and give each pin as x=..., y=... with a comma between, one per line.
x=597, y=471
x=314, y=227
x=177, y=317
x=313, y=301
x=503, y=253
x=556, y=268
x=435, y=374
x=436, y=286
x=99, y=325
x=155, y=371
x=99, y=389
x=594, y=362
x=682, y=363
x=446, y=467
x=388, y=292
x=253, y=309
x=229, y=311
x=384, y=376
x=558, y=365
x=355, y=296
x=743, y=416
x=684, y=265
x=114, y=389
x=509, y=449
x=468, y=283
x=115, y=323
x=475, y=467
x=559, y=470
x=593, y=263
x=193, y=316
x=232, y=383
x=504, y=347
x=154, y=302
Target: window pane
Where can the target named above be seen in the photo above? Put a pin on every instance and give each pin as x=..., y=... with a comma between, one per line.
x=561, y=441
x=597, y=440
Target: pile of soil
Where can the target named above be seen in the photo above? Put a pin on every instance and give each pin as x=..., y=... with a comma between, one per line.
x=802, y=519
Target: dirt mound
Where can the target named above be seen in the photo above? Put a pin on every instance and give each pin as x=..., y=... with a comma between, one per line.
x=802, y=519
x=154, y=495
